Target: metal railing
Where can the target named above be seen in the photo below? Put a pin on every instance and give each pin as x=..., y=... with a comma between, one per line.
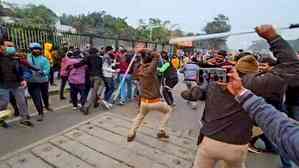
x=22, y=36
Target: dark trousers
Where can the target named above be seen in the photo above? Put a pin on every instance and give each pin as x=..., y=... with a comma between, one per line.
x=75, y=90
x=62, y=85
x=109, y=84
x=13, y=103
x=51, y=79
x=167, y=94
x=39, y=93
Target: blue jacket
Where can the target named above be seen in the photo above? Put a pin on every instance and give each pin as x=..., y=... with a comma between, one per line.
x=281, y=130
x=42, y=63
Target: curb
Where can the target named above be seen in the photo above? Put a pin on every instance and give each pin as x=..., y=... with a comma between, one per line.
x=51, y=93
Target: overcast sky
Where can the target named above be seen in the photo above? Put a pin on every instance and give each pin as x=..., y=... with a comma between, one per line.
x=191, y=15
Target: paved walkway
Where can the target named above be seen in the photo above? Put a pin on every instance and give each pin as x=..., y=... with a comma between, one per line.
x=101, y=142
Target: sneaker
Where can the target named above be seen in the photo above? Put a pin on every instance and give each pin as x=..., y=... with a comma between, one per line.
x=131, y=137
x=106, y=105
x=75, y=108
x=62, y=98
x=253, y=149
x=40, y=118
x=162, y=135
x=26, y=123
x=85, y=110
x=79, y=105
x=121, y=103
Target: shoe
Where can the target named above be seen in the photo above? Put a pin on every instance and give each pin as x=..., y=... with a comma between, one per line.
x=26, y=123
x=85, y=110
x=253, y=149
x=79, y=105
x=62, y=98
x=162, y=135
x=121, y=103
x=40, y=118
x=5, y=124
x=49, y=109
x=131, y=137
x=106, y=105
x=75, y=108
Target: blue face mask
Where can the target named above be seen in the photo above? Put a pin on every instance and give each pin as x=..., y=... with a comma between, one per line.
x=10, y=51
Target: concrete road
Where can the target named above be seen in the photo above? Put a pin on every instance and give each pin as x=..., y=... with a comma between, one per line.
x=184, y=123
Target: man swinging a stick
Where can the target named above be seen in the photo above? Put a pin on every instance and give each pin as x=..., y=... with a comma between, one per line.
x=150, y=93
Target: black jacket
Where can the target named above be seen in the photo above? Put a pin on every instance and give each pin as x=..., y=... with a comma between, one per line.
x=94, y=63
x=11, y=72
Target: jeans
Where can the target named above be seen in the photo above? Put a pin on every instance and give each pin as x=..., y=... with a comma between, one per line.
x=13, y=103
x=109, y=84
x=126, y=88
x=62, y=85
x=75, y=90
x=19, y=94
x=39, y=93
x=51, y=76
x=93, y=92
x=4, y=99
x=136, y=89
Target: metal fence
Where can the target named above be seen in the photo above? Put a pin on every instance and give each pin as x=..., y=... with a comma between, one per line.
x=22, y=36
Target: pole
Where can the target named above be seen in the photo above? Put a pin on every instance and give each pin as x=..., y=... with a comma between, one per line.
x=151, y=34
x=222, y=35
x=124, y=77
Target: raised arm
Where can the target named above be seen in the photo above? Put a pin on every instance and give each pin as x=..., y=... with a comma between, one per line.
x=281, y=130
x=280, y=47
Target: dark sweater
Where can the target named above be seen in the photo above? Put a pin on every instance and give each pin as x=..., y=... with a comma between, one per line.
x=94, y=65
x=11, y=73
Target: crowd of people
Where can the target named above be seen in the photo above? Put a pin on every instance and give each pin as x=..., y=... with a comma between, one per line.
x=96, y=77
x=234, y=118
x=227, y=128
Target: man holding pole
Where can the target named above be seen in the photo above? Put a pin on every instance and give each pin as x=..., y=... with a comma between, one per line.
x=150, y=93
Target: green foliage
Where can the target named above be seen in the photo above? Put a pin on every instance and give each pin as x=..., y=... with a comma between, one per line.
x=108, y=26
x=36, y=15
x=157, y=30
x=220, y=24
x=99, y=23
